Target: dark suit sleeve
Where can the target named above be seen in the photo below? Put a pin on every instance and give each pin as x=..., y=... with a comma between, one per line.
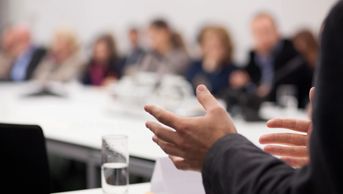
x=235, y=166
x=35, y=61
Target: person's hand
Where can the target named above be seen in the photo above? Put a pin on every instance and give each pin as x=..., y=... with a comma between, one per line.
x=238, y=79
x=263, y=90
x=187, y=139
x=291, y=147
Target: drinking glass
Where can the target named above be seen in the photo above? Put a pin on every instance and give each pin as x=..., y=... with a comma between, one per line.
x=286, y=97
x=115, y=161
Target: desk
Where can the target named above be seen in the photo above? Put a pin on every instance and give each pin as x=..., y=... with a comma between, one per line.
x=133, y=189
x=74, y=126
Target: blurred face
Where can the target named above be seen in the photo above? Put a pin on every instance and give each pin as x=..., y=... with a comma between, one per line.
x=159, y=38
x=133, y=37
x=101, y=52
x=212, y=47
x=61, y=47
x=21, y=40
x=265, y=34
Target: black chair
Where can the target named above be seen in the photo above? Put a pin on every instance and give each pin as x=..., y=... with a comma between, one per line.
x=24, y=163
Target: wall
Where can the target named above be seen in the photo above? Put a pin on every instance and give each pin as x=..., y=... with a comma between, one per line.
x=3, y=13
x=90, y=17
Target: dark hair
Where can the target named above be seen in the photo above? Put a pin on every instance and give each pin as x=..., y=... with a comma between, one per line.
x=175, y=38
x=223, y=35
x=110, y=43
x=160, y=24
x=308, y=38
x=178, y=42
x=310, y=46
x=133, y=29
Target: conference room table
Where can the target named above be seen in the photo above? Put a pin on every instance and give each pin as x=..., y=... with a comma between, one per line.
x=75, y=124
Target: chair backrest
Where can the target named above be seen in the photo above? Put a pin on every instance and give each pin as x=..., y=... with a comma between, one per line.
x=24, y=163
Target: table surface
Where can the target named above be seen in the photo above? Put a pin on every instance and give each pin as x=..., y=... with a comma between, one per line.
x=90, y=113
x=133, y=189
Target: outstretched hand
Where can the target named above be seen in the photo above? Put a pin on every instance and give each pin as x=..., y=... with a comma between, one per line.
x=187, y=139
x=290, y=147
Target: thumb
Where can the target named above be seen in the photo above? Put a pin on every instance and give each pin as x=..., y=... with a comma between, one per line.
x=310, y=106
x=205, y=98
x=312, y=93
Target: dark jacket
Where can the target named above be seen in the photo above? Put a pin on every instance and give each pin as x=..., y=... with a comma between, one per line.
x=282, y=55
x=235, y=166
x=283, y=59
x=217, y=81
x=36, y=58
x=299, y=74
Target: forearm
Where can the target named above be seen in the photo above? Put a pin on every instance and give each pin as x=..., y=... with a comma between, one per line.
x=235, y=166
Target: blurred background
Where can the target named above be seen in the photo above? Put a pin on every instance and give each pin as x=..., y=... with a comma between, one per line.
x=89, y=17
x=82, y=69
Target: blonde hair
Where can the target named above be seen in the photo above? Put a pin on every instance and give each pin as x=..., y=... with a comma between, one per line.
x=69, y=36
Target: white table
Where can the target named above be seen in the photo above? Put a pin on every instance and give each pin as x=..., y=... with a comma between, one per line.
x=133, y=189
x=74, y=126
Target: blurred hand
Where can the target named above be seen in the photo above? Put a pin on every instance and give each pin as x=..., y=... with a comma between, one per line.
x=108, y=82
x=263, y=90
x=187, y=139
x=291, y=147
x=238, y=79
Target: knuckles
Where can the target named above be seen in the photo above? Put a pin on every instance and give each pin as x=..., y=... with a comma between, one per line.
x=181, y=125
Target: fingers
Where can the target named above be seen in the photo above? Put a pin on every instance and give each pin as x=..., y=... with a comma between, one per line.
x=284, y=138
x=287, y=151
x=295, y=162
x=205, y=98
x=163, y=133
x=163, y=116
x=168, y=148
x=292, y=124
x=312, y=93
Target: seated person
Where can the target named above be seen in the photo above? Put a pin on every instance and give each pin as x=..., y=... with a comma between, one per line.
x=136, y=52
x=270, y=62
x=215, y=66
x=168, y=54
x=299, y=71
x=103, y=67
x=7, y=40
x=307, y=45
x=23, y=55
x=62, y=63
